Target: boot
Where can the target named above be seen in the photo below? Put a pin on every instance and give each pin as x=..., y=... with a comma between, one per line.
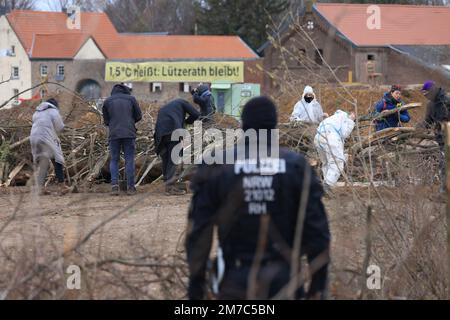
x=173, y=190
x=43, y=191
x=131, y=191
x=115, y=191
x=63, y=189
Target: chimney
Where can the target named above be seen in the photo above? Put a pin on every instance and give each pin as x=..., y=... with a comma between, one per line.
x=309, y=5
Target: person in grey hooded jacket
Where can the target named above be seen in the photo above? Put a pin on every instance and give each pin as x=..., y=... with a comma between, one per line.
x=45, y=144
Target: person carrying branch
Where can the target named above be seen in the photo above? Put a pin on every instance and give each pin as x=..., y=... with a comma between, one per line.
x=390, y=101
x=436, y=115
x=172, y=117
x=46, y=146
x=260, y=205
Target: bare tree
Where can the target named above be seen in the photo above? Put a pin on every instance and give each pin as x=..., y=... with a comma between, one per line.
x=9, y=5
x=85, y=5
x=173, y=16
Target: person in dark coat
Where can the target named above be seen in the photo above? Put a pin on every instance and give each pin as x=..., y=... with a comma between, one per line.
x=203, y=97
x=174, y=115
x=437, y=113
x=121, y=112
x=258, y=218
x=391, y=100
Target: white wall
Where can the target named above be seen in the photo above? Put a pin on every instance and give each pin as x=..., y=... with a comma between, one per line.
x=89, y=51
x=8, y=39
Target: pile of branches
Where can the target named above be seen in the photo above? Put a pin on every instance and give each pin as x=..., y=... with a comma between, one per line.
x=85, y=145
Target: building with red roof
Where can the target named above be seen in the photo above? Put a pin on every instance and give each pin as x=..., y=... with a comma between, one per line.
x=363, y=43
x=77, y=50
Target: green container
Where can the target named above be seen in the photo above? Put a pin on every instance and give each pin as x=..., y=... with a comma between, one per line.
x=230, y=98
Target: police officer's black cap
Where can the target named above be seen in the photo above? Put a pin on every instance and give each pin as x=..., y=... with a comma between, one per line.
x=259, y=113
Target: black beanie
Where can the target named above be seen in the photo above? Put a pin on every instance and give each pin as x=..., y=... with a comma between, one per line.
x=53, y=102
x=259, y=113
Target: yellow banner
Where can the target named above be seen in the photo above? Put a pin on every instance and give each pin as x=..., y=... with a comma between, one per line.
x=175, y=72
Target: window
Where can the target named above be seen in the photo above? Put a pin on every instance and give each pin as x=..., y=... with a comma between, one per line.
x=15, y=73
x=319, y=55
x=16, y=96
x=13, y=51
x=44, y=70
x=370, y=57
x=60, y=70
x=156, y=87
x=301, y=56
x=43, y=93
x=185, y=87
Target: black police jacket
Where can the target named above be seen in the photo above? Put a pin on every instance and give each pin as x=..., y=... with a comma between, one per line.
x=238, y=198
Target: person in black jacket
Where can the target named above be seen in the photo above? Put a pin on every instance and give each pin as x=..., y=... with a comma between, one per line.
x=258, y=217
x=171, y=117
x=121, y=112
x=437, y=113
x=203, y=97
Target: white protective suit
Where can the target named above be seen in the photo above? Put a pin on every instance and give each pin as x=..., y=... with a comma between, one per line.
x=330, y=141
x=308, y=112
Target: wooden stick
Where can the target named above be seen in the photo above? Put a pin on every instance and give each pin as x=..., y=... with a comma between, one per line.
x=15, y=172
x=147, y=171
x=387, y=113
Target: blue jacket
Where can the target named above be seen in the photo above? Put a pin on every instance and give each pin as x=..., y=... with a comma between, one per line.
x=394, y=120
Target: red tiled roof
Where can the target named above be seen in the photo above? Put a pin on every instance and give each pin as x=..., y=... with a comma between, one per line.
x=28, y=24
x=39, y=25
x=400, y=24
x=185, y=47
x=57, y=46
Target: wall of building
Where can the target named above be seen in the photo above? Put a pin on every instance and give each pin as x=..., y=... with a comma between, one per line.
x=288, y=63
x=294, y=59
x=89, y=51
x=78, y=71
x=404, y=70
x=8, y=39
x=380, y=61
x=75, y=72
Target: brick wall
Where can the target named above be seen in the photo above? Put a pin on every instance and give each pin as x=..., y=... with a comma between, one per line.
x=296, y=53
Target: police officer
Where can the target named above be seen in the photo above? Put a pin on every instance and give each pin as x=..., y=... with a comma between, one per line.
x=256, y=207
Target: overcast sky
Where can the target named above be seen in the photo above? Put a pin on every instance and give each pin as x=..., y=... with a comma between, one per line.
x=41, y=5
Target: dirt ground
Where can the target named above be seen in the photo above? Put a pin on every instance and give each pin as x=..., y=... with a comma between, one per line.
x=158, y=223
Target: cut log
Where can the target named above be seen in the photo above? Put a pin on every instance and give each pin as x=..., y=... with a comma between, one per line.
x=385, y=134
x=387, y=113
x=15, y=172
x=97, y=168
x=19, y=143
x=147, y=171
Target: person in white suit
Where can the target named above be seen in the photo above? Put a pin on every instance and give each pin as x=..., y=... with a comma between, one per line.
x=330, y=141
x=308, y=109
